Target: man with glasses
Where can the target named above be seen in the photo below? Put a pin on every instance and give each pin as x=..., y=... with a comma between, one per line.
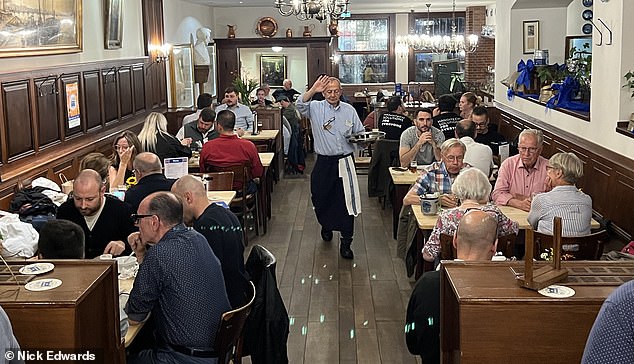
x=104, y=219
x=179, y=281
x=484, y=134
x=421, y=142
x=334, y=187
x=149, y=174
x=522, y=175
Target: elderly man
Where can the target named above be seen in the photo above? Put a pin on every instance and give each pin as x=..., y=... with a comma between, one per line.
x=104, y=219
x=287, y=91
x=477, y=155
x=522, y=175
x=564, y=200
x=198, y=132
x=244, y=116
x=223, y=232
x=421, y=142
x=179, y=281
x=333, y=184
x=439, y=176
x=294, y=149
x=149, y=174
x=395, y=121
x=204, y=101
x=475, y=240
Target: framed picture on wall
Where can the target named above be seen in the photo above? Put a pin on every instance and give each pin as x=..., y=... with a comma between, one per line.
x=114, y=23
x=36, y=28
x=531, y=36
x=272, y=70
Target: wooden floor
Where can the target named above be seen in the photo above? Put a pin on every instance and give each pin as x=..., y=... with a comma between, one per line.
x=340, y=311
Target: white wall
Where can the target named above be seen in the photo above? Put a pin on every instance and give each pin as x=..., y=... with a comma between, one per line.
x=181, y=18
x=93, y=40
x=296, y=60
x=551, y=31
x=574, y=21
x=610, y=103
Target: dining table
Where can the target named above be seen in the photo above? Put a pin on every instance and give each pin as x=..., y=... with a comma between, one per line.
x=125, y=286
x=402, y=180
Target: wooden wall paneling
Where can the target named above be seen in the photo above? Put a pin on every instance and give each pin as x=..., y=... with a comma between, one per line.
x=92, y=100
x=110, y=94
x=125, y=92
x=6, y=195
x=138, y=83
x=624, y=186
x=228, y=63
x=17, y=118
x=47, y=117
x=65, y=81
x=319, y=63
x=3, y=134
x=68, y=167
x=162, y=89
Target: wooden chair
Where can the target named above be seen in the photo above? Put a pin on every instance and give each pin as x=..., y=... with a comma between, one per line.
x=243, y=203
x=506, y=245
x=217, y=181
x=588, y=247
x=228, y=343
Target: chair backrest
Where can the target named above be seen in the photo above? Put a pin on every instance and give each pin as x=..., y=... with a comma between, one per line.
x=588, y=247
x=230, y=329
x=506, y=245
x=217, y=181
x=241, y=174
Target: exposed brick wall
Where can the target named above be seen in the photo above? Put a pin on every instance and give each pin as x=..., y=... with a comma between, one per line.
x=476, y=63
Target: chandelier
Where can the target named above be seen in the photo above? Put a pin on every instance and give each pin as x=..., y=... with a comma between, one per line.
x=312, y=9
x=455, y=43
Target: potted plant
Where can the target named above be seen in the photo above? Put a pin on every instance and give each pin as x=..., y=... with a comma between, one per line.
x=629, y=82
x=244, y=85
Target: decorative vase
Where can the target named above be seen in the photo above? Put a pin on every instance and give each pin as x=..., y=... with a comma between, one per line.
x=289, y=33
x=232, y=31
x=333, y=28
x=308, y=30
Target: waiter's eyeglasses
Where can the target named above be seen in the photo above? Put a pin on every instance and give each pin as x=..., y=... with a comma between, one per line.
x=327, y=125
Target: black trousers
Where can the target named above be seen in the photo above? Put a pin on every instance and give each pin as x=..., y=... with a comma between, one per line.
x=327, y=195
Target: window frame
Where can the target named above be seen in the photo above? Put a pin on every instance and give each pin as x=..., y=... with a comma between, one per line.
x=391, y=36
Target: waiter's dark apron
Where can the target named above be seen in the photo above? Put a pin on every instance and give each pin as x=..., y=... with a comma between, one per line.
x=326, y=188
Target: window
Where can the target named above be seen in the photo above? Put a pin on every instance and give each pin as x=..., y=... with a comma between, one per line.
x=420, y=62
x=365, y=48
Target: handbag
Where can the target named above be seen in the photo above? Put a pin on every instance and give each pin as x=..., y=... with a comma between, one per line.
x=67, y=186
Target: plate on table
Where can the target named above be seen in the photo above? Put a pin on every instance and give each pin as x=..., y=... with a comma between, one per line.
x=366, y=136
x=37, y=268
x=43, y=284
x=556, y=291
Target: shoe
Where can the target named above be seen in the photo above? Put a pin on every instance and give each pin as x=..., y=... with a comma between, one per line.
x=345, y=250
x=326, y=235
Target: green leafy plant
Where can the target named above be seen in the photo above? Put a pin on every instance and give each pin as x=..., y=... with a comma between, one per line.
x=244, y=85
x=629, y=78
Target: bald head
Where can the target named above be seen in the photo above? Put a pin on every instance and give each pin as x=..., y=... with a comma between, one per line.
x=476, y=237
x=88, y=177
x=465, y=128
x=147, y=163
x=189, y=183
x=193, y=194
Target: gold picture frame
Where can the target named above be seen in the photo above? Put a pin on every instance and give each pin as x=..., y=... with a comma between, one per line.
x=272, y=70
x=113, y=23
x=530, y=36
x=40, y=28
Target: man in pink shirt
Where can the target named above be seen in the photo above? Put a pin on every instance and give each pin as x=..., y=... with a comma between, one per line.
x=522, y=175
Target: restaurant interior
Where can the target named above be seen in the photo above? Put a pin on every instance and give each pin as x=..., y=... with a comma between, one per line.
x=101, y=67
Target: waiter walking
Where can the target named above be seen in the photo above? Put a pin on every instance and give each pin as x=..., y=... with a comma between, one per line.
x=333, y=182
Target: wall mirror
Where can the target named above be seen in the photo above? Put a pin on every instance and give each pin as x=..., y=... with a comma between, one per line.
x=293, y=59
x=181, y=76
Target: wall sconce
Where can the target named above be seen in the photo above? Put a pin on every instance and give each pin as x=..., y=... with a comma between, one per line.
x=276, y=49
x=160, y=52
x=335, y=58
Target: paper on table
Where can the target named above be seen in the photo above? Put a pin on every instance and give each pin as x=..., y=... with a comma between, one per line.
x=504, y=152
x=175, y=167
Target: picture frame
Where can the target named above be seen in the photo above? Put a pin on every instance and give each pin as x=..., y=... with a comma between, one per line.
x=582, y=44
x=113, y=23
x=272, y=70
x=530, y=36
x=52, y=27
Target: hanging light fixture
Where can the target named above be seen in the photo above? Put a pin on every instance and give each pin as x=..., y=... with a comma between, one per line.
x=312, y=9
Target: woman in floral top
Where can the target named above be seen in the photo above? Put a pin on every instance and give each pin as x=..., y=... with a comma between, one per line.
x=472, y=187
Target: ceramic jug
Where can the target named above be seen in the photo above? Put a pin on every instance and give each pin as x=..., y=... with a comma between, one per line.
x=308, y=30
x=289, y=33
x=232, y=31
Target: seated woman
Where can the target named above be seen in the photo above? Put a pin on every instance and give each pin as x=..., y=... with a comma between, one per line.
x=155, y=139
x=98, y=162
x=564, y=200
x=126, y=146
x=468, y=101
x=472, y=188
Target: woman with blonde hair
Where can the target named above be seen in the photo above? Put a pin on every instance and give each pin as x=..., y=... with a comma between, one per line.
x=155, y=139
x=468, y=101
x=125, y=147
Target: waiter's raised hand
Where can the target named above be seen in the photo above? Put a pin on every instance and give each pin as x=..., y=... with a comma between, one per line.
x=321, y=83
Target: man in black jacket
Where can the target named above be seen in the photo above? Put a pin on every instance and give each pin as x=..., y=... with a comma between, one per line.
x=105, y=219
x=149, y=174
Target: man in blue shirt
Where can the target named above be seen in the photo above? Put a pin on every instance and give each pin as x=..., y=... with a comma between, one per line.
x=179, y=281
x=333, y=182
x=244, y=116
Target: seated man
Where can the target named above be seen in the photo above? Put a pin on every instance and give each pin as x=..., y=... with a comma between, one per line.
x=149, y=174
x=484, y=134
x=179, y=281
x=261, y=100
x=477, y=155
x=421, y=142
x=199, y=131
x=564, y=200
x=475, y=240
x=287, y=90
x=395, y=121
x=223, y=232
x=295, y=151
x=61, y=239
x=105, y=219
x=522, y=175
x=445, y=118
x=203, y=101
x=244, y=116
x=439, y=176
x=229, y=150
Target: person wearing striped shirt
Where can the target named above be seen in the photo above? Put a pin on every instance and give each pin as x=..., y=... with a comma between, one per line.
x=564, y=199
